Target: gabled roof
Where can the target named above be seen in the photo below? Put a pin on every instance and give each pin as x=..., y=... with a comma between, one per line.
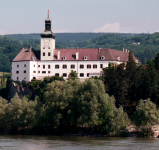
x=114, y=55
x=26, y=55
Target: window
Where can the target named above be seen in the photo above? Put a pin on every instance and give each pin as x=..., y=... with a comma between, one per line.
x=64, y=74
x=39, y=66
x=88, y=66
x=56, y=74
x=64, y=58
x=81, y=74
x=43, y=71
x=24, y=71
x=87, y=74
x=118, y=58
x=17, y=78
x=48, y=71
x=72, y=66
x=33, y=58
x=101, y=65
x=81, y=66
x=43, y=66
x=24, y=65
x=94, y=66
x=57, y=67
x=38, y=71
x=64, y=66
x=102, y=57
x=17, y=72
x=85, y=57
x=17, y=66
x=48, y=66
x=49, y=54
x=24, y=78
x=33, y=65
x=43, y=53
x=34, y=71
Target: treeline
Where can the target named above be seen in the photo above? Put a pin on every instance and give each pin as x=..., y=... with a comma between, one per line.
x=131, y=82
x=65, y=107
x=65, y=37
x=148, y=48
x=72, y=106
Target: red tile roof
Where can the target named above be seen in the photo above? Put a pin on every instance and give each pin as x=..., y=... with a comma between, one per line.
x=26, y=55
x=70, y=54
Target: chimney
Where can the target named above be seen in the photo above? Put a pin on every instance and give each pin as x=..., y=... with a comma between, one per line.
x=58, y=55
x=77, y=54
x=123, y=49
x=30, y=48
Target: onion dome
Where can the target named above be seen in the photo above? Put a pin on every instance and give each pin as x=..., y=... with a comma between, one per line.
x=48, y=33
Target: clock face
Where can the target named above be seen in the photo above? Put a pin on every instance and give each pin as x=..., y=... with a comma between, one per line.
x=46, y=45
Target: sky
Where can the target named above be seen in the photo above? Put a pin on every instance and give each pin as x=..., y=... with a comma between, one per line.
x=119, y=16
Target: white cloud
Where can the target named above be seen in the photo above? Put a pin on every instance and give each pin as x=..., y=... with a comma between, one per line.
x=116, y=27
x=109, y=28
x=157, y=31
x=61, y=31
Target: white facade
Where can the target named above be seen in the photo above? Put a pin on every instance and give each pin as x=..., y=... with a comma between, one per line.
x=28, y=70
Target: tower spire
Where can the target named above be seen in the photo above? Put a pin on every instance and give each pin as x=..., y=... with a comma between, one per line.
x=48, y=13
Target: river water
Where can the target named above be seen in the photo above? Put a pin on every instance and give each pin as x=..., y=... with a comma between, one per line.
x=21, y=142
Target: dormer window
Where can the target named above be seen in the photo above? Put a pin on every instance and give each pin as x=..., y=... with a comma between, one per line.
x=118, y=58
x=85, y=57
x=33, y=58
x=102, y=57
x=136, y=61
x=64, y=58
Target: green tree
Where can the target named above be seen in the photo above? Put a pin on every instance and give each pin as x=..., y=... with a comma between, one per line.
x=73, y=75
x=146, y=114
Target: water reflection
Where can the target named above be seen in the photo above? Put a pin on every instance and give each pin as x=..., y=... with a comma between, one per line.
x=21, y=142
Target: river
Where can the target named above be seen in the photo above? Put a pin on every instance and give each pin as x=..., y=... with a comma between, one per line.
x=26, y=142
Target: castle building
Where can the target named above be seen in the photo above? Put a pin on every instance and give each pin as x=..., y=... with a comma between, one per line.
x=49, y=61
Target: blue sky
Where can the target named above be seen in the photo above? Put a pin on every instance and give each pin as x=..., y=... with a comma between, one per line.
x=124, y=16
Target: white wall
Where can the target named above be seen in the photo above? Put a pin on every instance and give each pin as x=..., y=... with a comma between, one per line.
x=34, y=69
x=51, y=44
x=21, y=75
x=85, y=70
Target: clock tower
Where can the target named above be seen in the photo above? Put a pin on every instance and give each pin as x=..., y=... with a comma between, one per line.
x=47, y=41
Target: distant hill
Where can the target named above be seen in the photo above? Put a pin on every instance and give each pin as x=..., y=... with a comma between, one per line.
x=10, y=45
x=65, y=37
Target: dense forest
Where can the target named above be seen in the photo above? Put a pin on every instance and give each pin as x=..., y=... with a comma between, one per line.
x=146, y=50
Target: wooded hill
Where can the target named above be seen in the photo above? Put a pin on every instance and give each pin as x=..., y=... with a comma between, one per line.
x=149, y=44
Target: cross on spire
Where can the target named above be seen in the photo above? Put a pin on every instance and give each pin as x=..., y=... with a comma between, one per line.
x=48, y=13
